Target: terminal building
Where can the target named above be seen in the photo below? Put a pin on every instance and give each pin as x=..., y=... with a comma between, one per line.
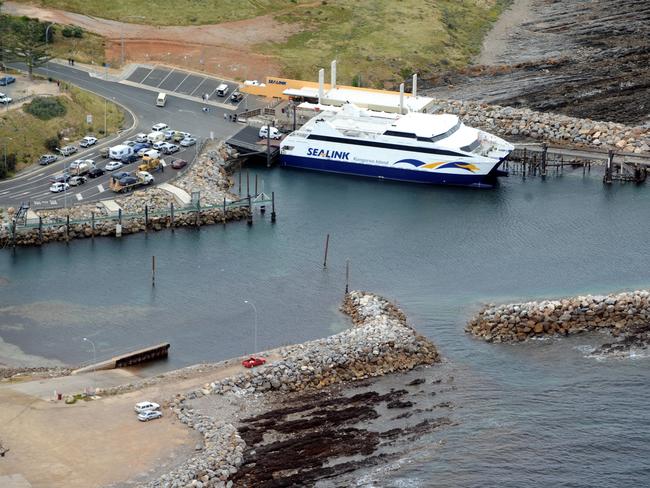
x=325, y=96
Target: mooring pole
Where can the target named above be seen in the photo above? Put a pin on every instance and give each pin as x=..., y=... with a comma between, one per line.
x=544, y=155
x=273, y=207
x=240, y=180
x=67, y=228
x=255, y=185
x=92, y=225
x=171, y=215
x=198, y=213
x=153, y=270
x=13, y=233
x=146, y=218
x=327, y=244
x=347, y=276
x=268, y=146
x=223, y=217
x=40, y=230
x=249, y=218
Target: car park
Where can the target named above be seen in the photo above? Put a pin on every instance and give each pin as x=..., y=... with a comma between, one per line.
x=180, y=135
x=7, y=80
x=159, y=145
x=188, y=141
x=237, y=97
x=141, y=137
x=159, y=127
x=77, y=180
x=5, y=99
x=168, y=134
x=170, y=148
x=149, y=415
x=95, y=173
x=59, y=187
x=179, y=163
x=275, y=133
x=253, y=361
x=67, y=150
x=60, y=178
x=46, y=159
x=113, y=165
x=88, y=141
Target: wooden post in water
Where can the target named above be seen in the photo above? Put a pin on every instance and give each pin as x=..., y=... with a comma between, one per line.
x=544, y=155
x=171, y=215
x=240, y=180
x=523, y=166
x=273, y=207
x=13, y=233
x=248, y=184
x=249, y=218
x=67, y=228
x=92, y=225
x=40, y=230
x=153, y=271
x=347, y=276
x=607, y=179
x=327, y=244
x=223, y=216
x=255, y=185
x=146, y=218
x=198, y=213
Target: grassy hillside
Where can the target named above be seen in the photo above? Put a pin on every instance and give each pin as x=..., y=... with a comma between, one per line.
x=26, y=134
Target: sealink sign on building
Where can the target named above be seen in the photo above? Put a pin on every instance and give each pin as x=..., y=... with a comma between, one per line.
x=326, y=153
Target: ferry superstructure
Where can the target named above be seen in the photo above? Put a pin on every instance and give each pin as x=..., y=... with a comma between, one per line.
x=414, y=147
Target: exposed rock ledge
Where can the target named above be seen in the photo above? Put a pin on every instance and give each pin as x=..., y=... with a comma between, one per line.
x=619, y=314
x=380, y=342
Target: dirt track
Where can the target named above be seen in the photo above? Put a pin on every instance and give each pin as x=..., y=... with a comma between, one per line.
x=585, y=59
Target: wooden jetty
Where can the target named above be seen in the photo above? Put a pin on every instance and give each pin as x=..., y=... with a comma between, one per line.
x=131, y=358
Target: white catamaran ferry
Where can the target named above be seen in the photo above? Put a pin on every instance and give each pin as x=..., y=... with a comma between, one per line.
x=417, y=147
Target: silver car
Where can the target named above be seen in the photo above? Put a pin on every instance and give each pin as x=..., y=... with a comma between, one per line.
x=149, y=415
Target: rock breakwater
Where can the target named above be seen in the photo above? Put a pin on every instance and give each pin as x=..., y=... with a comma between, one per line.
x=379, y=342
x=516, y=322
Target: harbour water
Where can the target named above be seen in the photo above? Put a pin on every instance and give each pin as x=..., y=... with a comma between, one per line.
x=534, y=414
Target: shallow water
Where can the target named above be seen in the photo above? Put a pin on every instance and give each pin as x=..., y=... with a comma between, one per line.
x=537, y=414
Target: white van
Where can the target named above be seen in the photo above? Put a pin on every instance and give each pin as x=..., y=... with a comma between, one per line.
x=222, y=90
x=118, y=152
x=155, y=136
x=161, y=100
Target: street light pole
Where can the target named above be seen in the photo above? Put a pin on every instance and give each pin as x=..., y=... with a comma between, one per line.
x=94, y=352
x=255, y=329
x=105, y=100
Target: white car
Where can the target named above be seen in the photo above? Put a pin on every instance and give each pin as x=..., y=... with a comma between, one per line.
x=170, y=148
x=159, y=127
x=141, y=137
x=149, y=415
x=5, y=99
x=113, y=165
x=159, y=145
x=59, y=187
x=77, y=180
x=143, y=151
x=78, y=163
x=275, y=133
x=147, y=179
x=146, y=406
x=168, y=134
x=188, y=141
x=152, y=153
x=88, y=141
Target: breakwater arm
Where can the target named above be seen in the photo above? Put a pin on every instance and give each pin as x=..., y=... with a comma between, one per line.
x=516, y=322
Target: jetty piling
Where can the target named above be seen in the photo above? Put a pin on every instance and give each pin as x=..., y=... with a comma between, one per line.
x=153, y=271
x=327, y=243
x=273, y=207
x=171, y=215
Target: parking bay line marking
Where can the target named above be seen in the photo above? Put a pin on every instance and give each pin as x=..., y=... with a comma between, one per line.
x=79, y=197
x=100, y=188
x=150, y=71
x=188, y=75
x=202, y=81
x=163, y=80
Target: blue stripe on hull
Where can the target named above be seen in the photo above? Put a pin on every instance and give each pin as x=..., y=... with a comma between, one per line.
x=388, y=173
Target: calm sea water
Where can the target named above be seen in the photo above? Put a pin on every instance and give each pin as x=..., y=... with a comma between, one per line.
x=539, y=414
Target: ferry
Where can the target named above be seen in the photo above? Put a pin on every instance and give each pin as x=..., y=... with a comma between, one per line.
x=413, y=147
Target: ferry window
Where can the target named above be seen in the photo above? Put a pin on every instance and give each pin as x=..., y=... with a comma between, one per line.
x=444, y=135
x=399, y=134
x=472, y=146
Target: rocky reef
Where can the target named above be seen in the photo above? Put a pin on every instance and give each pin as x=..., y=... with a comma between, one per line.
x=620, y=314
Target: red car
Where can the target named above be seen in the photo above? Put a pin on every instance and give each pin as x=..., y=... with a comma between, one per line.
x=179, y=163
x=252, y=361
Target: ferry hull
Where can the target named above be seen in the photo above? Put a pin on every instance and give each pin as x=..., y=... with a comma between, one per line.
x=388, y=173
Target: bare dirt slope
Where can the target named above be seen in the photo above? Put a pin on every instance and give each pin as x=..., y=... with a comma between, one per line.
x=585, y=59
x=225, y=48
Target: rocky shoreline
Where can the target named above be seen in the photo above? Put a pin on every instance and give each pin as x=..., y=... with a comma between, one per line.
x=624, y=314
x=380, y=342
x=206, y=175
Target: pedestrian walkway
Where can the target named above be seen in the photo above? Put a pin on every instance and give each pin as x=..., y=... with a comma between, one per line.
x=181, y=195
x=112, y=207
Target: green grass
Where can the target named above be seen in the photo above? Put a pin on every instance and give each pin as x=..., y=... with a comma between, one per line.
x=26, y=134
x=89, y=49
x=170, y=12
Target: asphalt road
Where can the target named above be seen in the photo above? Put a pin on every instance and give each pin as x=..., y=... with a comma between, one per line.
x=180, y=114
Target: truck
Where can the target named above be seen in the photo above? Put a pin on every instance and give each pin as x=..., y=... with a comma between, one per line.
x=119, y=151
x=81, y=167
x=150, y=164
x=122, y=183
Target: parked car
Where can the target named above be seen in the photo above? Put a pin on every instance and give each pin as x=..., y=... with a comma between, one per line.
x=7, y=80
x=188, y=141
x=159, y=145
x=104, y=152
x=159, y=127
x=88, y=141
x=180, y=135
x=170, y=148
x=253, y=361
x=129, y=143
x=77, y=180
x=141, y=137
x=113, y=165
x=59, y=187
x=143, y=151
x=236, y=97
x=5, y=99
x=149, y=415
x=60, y=178
x=275, y=133
x=67, y=150
x=46, y=159
x=129, y=158
x=152, y=153
x=168, y=134
x=95, y=173
x=179, y=163
x=141, y=145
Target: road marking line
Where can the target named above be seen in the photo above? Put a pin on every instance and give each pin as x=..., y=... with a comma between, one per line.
x=150, y=71
x=100, y=188
x=188, y=75
x=79, y=197
x=202, y=81
x=32, y=177
x=37, y=202
x=52, y=202
x=163, y=80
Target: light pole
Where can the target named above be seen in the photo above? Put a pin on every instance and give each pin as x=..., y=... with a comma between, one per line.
x=105, y=100
x=255, y=329
x=47, y=30
x=94, y=351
